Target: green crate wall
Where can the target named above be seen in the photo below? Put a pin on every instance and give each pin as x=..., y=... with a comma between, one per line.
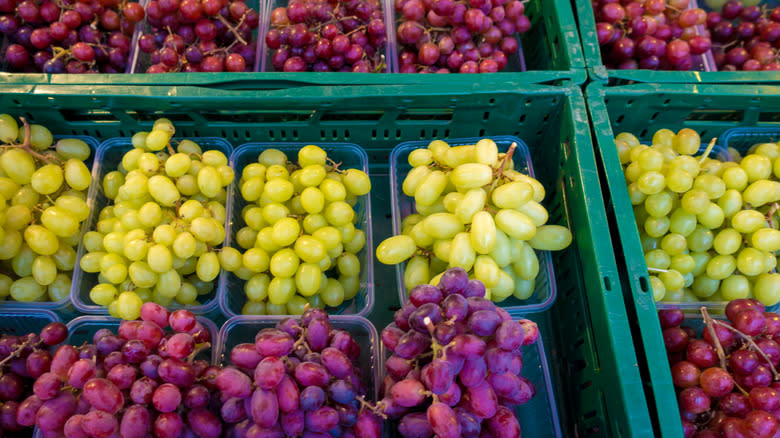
x=586, y=23
x=642, y=109
x=551, y=48
x=589, y=341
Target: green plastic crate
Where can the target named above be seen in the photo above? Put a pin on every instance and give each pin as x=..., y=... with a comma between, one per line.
x=589, y=341
x=586, y=22
x=551, y=48
x=642, y=109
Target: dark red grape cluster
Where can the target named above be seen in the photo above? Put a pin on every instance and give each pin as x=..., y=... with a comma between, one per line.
x=73, y=36
x=746, y=37
x=456, y=365
x=322, y=36
x=138, y=383
x=726, y=378
x=23, y=359
x=199, y=36
x=300, y=378
x=650, y=34
x=443, y=36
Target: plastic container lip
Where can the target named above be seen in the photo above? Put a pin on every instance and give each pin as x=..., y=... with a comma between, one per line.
x=61, y=305
x=287, y=147
x=396, y=194
x=18, y=321
x=344, y=322
x=112, y=323
x=206, y=143
x=265, y=25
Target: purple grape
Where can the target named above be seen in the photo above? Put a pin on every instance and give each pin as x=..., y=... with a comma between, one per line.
x=234, y=383
x=269, y=372
x=288, y=395
x=293, y=423
x=425, y=293
x=273, y=342
x=429, y=311
x=264, y=408
x=415, y=425
x=312, y=398
x=413, y=344
x=443, y=421
x=408, y=393
x=484, y=322
x=482, y=400
x=136, y=422
x=233, y=411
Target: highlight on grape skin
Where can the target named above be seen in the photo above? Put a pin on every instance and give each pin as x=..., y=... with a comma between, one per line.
x=455, y=368
x=159, y=237
x=43, y=192
x=708, y=224
x=476, y=212
x=300, y=241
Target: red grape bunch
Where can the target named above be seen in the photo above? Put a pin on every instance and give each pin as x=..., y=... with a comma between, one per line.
x=443, y=36
x=22, y=360
x=299, y=378
x=746, y=37
x=199, y=36
x=727, y=378
x=321, y=36
x=650, y=34
x=53, y=36
x=141, y=382
x=456, y=363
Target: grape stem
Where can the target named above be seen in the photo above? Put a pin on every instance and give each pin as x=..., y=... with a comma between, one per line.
x=656, y=270
x=233, y=28
x=198, y=349
x=500, y=172
x=15, y=354
x=708, y=150
x=26, y=145
x=772, y=210
x=718, y=347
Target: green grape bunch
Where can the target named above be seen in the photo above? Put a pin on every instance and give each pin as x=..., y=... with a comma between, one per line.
x=43, y=192
x=300, y=242
x=474, y=211
x=159, y=238
x=708, y=227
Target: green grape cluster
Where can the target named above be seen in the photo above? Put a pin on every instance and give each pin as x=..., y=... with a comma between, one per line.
x=476, y=212
x=159, y=239
x=709, y=228
x=43, y=192
x=300, y=241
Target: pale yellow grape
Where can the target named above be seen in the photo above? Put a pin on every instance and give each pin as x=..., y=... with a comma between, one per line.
x=9, y=129
x=535, y=212
x=284, y=263
x=767, y=289
x=245, y=237
x=748, y=221
x=462, y=254
x=159, y=258
x=473, y=201
x=59, y=289
x=674, y=244
x=65, y=258
x=60, y=221
x=735, y=178
x=357, y=182
x=21, y=263
x=208, y=266
x=206, y=229
x=458, y=155
x=313, y=222
x=333, y=295
x=657, y=259
x=486, y=270
x=274, y=212
x=735, y=287
x=721, y=266
x=523, y=288
x=429, y=188
x=329, y=236
x=658, y=288
x=285, y=231
x=27, y=290
x=686, y=141
x=440, y=226
x=26, y=196
x=751, y=262
x=766, y=239
x=270, y=157
x=656, y=226
x=163, y=190
x=483, y=232
x=209, y=181
x=451, y=201
x=17, y=165
x=309, y=249
x=73, y=206
x=471, y=176
x=115, y=274
x=157, y=139
x=770, y=261
x=504, y=288
x=700, y=240
x=44, y=270
x=168, y=284
x=682, y=222
x=527, y=266
x=335, y=191
x=312, y=200
x=351, y=286
x=757, y=167
x=420, y=157
x=281, y=290
x=671, y=279
x=515, y=224
x=659, y=204
x=502, y=250
x=129, y=305
x=512, y=195
x=254, y=308
x=650, y=160
x=651, y=182
x=761, y=192
x=633, y=172
x=339, y=213
x=76, y=174
x=416, y=272
x=486, y=152
x=230, y=259
x=163, y=234
x=187, y=295
x=704, y=286
x=256, y=260
x=678, y=180
x=356, y=243
x=727, y=241
x=712, y=185
x=730, y=202
x=664, y=137
x=148, y=163
x=41, y=240
x=682, y=263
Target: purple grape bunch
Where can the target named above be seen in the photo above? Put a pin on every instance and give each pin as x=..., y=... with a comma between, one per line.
x=22, y=360
x=323, y=36
x=68, y=36
x=200, y=36
x=456, y=365
x=746, y=37
x=139, y=382
x=299, y=378
x=444, y=36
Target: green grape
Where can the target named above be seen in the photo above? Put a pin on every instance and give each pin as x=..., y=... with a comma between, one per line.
x=727, y=241
x=21, y=263
x=735, y=287
x=695, y=201
x=650, y=160
x=256, y=260
x=333, y=295
x=751, y=262
x=686, y=163
x=285, y=231
x=416, y=272
x=335, y=191
x=310, y=249
x=129, y=303
x=157, y=139
x=76, y=175
x=551, y=238
x=281, y=290
x=700, y=240
x=26, y=196
x=651, y=182
x=9, y=129
x=230, y=259
x=313, y=222
x=41, y=240
x=710, y=184
x=632, y=172
x=357, y=182
x=524, y=289
x=504, y=289
x=671, y=279
x=674, y=244
x=339, y=213
x=148, y=163
x=59, y=221
x=730, y=203
x=356, y=243
x=757, y=167
x=686, y=141
x=682, y=222
x=649, y=243
x=451, y=200
x=512, y=195
x=658, y=288
x=329, y=236
x=636, y=150
x=657, y=259
x=721, y=266
x=312, y=200
x=486, y=152
x=635, y=195
x=462, y=254
x=115, y=274
x=701, y=260
x=163, y=190
x=704, y=286
x=159, y=258
x=683, y=263
x=44, y=270
x=351, y=286
x=766, y=239
x=735, y=178
x=678, y=180
x=17, y=165
x=664, y=137
x=278, y=190
x=284, y=263
x=761, y=192
x=430, y=188
x=458, y=155
x=770, y=261
x=419, y=157
x=210, y=182
x=254, y=308
x=208, y=266
x=659, y=204
x=256, y=288
x=502, y=250
x=656, y=226
x=748, y=221
x=245, y=237
x=27, y=290
x=767, y=289
x=473, y=201
x=163, y=234
x=274, y=212
x=252, y=188
x=471, y=175
x=441, y=248
x=515, y=224
x=75, y=207
x=59, y=289
x=311, y=176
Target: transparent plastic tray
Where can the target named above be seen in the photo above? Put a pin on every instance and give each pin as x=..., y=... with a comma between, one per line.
x=21, y=322
x=402, y=206
x=109, y=156
x=351, y=156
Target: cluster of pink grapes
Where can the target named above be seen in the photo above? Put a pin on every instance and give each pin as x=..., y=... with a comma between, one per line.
x=746, y=37
x=726, y=379
x=24, y=359
x=68, y=36
x=456, y=365
x=650, y=34
x=140, y=382
x=300, y=378
x=443, y=36
x=199, y=36
x=321, y=36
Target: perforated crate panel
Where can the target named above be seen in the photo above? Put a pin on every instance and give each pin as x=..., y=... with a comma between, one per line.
x=589, y=322
x=643, y=109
